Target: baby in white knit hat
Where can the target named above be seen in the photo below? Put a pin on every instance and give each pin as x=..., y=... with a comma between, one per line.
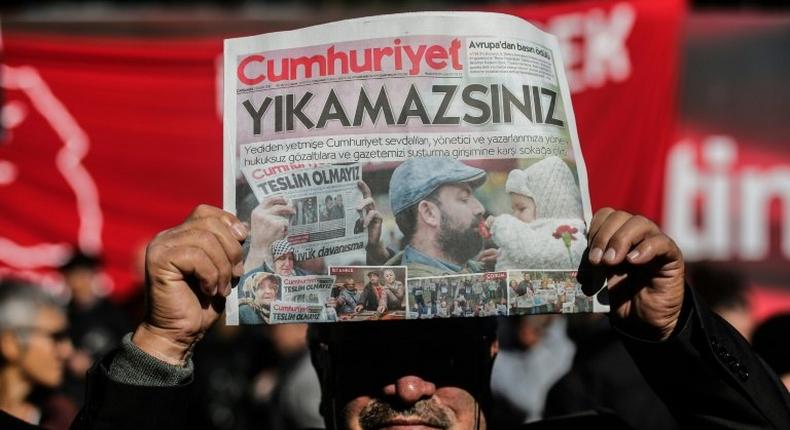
x=546, y=229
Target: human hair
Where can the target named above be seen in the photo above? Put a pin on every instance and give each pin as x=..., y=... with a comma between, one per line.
x=721, y=288
x=81, y=261
x=407, y=218
x=20, y=303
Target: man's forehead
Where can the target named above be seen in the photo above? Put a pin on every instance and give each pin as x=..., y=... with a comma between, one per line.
x=456, y=188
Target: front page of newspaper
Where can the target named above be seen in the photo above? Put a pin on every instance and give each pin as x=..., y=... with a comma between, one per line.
x=420, y=165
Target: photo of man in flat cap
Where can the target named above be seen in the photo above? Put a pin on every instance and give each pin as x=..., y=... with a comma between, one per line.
x=435, y=208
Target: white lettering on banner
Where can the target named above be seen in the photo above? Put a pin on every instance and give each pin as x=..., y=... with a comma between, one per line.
x=12, y=114
x=8, y=172
x=68, y=160
x=684, y=184
x=758, y=189
x=723, y=193
x=594, y=45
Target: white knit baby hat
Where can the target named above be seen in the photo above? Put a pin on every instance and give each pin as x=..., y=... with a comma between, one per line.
x=550, y=183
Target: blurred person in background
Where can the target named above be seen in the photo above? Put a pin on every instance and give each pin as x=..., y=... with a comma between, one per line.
x=536, y=351
x=592, y=383
x=34, y=347
x=133, y=305
x=96, y=325
x=726, y=292
x=226, y=390
x=771, y=340
x=296, y=396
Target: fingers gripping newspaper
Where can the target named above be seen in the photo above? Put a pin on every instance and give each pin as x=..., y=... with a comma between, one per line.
x=421, y=165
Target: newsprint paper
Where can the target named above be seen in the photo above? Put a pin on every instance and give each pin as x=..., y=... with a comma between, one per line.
x=421, y=165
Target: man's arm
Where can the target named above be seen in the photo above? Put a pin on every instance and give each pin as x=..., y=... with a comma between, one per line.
x=381, y=300
x=268, y=222
x=381, y=296
x=129, y=389
x=709, y=376
x=144, y=384
x=699, y=365
x=377, y=253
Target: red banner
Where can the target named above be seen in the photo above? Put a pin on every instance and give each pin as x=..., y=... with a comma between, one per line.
x=622, y=60
x=109, y=141
x=727, y=192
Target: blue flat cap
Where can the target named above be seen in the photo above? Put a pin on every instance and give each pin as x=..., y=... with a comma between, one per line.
x=415, y=179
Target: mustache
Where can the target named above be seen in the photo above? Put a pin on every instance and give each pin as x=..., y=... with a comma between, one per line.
x=378, y=414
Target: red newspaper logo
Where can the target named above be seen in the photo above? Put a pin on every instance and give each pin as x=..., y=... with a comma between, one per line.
x=397, y=57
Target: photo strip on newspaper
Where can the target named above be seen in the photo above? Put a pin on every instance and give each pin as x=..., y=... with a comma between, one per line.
x=420, y=165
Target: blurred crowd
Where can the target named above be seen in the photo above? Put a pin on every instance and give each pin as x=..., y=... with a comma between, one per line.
x=254, y=377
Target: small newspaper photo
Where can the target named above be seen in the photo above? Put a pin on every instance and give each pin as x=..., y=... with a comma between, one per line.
x=546, y=291
x=471, y=295
x=417, y=165
x=370, y=293
x=265, y=297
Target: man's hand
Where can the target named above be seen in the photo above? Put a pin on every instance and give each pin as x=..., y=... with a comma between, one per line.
x=644, y=269
x=376, y=251
x=268, y=222
x=188, y=271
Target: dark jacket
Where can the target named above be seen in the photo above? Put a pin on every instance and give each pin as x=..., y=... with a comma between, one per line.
x=110, y=405
x=707, y=374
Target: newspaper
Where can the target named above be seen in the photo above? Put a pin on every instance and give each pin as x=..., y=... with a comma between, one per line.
x=271, y=298
x=324, y=199
x=386, y=163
